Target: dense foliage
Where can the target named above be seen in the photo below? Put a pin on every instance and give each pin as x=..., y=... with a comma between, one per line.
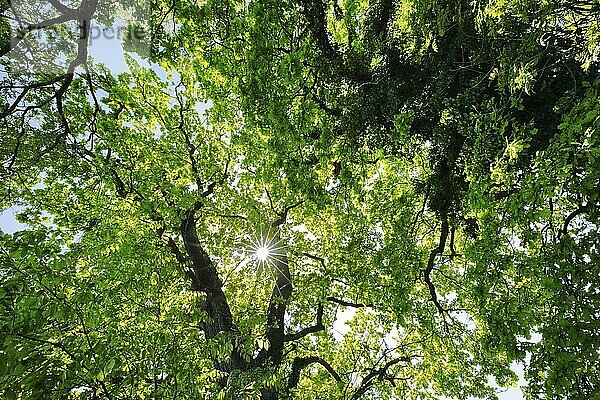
x=425, y=170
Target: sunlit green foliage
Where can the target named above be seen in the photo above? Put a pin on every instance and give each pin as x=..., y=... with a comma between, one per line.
x=428, y=171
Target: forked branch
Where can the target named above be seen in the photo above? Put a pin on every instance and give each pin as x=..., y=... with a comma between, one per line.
x=317, y=327
x=377, y=374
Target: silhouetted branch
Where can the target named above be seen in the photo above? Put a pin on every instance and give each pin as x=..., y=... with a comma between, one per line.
x=318, y=326
x=346, y=303
x=431, y=264
x=379, y=374
x=302, y=362
x=582, y=209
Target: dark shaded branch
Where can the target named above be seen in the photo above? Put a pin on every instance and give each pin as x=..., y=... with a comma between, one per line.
x=61, y=8
x=302, y=362
x=283, y=214
x=452, y=248
x=23, y=32
x=317, y=327
x=321, y=260
x=119, y=184
x=314, y=13
x=175, y=250
x=330, y=111
x=346, y=303
x=277, y=307
x=431, y=264
x=288, y=208
x=210, y=189
x=271, y=201
x=26, y=90
x=282, y=291
x=83, y=15
x=242, y=217
x=382, y=13
x=377, y=374
x=204, y=278
x=582, y=209
x=71, y=355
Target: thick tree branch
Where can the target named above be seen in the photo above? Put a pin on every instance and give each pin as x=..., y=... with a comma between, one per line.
x=431, y=264
x=210, y=189
x=314, y=12
x=175, y=251
x=204, y=278
x=282, y=291
x=61, y=8
x=283, y=214
x=321, y=260
x=380, y=19
x=302, y=362
x=83, y=15
x=10, y=109
x=23, y=32
x=277, y=306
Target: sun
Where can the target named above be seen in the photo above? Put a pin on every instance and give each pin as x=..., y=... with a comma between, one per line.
x=262, y=253
x=266, y=249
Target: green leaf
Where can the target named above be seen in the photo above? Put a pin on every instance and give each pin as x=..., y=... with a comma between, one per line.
x=109, y=366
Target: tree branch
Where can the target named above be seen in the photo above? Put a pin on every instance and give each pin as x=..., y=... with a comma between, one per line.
x=175, y=250
x=282, y=291
x=314, y=13
x=380, y=374
x=210, y=189
x=61, y=8
x=317, y=327
x=283, y=215
x=204, y=278
x=431, y=264
x=23, y=32
x=50, y=343
x=302, y=362
x=346, y=303
x=582, y=209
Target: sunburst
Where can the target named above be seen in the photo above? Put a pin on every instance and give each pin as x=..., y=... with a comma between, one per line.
x=267, y=249
x=262, y=253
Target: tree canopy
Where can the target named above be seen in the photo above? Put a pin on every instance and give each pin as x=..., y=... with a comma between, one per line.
x=313, y=199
